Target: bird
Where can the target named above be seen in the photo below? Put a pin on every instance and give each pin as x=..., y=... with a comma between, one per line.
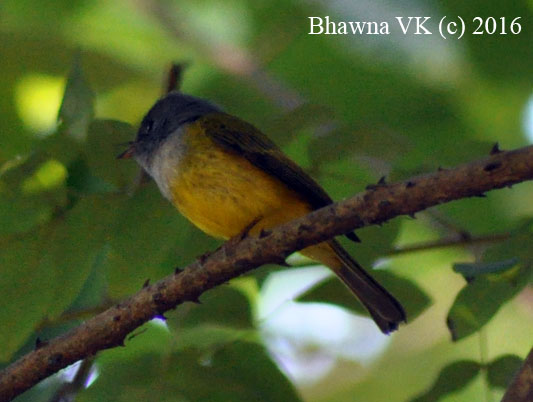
x=226, y=177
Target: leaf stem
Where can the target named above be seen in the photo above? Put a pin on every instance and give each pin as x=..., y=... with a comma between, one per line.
x=483, y=358
x=448, y=243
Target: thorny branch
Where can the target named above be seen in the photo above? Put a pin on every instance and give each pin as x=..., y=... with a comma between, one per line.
x=380, y=203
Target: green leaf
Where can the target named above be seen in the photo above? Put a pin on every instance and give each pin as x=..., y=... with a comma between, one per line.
x=30, y=192
x=223, y=306
x=43, y=393
x=478, y=268
x=481, y=299
x=75, y=244
x=240, y=372
x=60, y=146
x=26, y=292
x=517, y=246
x=332, y=291
x=413, y=299
x=83, y=182
x=106, y=139
x=94, y=290
x=502, y=370
x=209, y=336
x=20, y=170
x=453, y=377
x=77, y=107
x=19, y=213
x=44, y=272
x=224, y=316
x=478, y=215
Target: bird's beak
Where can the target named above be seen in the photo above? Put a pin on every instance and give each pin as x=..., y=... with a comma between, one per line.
x=128, y=153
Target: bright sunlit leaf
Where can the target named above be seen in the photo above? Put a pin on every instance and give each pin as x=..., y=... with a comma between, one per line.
x=38, y=98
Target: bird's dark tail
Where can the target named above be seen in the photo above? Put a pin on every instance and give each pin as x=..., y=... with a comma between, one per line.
x=386, y=311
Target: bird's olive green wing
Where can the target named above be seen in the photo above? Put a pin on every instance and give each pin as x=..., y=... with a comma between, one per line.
x=243, y=138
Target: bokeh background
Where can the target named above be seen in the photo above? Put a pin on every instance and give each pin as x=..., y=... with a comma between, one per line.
x=79, y=230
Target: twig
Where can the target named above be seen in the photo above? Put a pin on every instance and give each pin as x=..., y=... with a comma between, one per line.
x=447, y=224
x=446, y=243
x=174, y=77
x=381, y=203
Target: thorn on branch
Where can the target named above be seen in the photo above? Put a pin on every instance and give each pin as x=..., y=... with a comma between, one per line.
x=39, y=343
x=495, y=149
x=202, y=258
x=381, y=182
x=146, y=283
x=353, y=237
x=177, y=270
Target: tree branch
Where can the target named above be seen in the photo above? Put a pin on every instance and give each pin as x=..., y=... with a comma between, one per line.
x=521, y=389
x=377, y=205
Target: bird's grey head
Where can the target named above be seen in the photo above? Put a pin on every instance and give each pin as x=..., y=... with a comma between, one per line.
x=166, y=116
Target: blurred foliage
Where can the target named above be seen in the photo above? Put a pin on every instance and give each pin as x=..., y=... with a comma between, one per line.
x=193, y=376
x=80, y=229
x=452, y=378
x=413, y=299
x=502, y=370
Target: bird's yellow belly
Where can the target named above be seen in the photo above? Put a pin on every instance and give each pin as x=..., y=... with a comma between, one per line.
x=222, y=194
